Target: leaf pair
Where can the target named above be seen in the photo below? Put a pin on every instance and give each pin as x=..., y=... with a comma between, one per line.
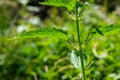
x=60, y=34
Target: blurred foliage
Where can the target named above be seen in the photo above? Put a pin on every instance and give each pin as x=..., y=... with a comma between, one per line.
x=46, y=59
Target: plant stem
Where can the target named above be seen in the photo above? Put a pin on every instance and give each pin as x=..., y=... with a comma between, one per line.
x=79, y=42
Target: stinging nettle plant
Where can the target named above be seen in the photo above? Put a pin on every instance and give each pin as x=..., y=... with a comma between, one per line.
x=76, y=9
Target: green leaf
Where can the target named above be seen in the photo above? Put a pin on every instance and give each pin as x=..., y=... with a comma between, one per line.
x=44, y=32
x=74, y=58
x=106, y=30
x=69, y=4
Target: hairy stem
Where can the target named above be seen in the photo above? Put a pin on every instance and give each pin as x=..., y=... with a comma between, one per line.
x=79, y=42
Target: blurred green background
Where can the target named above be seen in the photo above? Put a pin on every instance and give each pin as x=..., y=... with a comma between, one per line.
x=47, y=59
